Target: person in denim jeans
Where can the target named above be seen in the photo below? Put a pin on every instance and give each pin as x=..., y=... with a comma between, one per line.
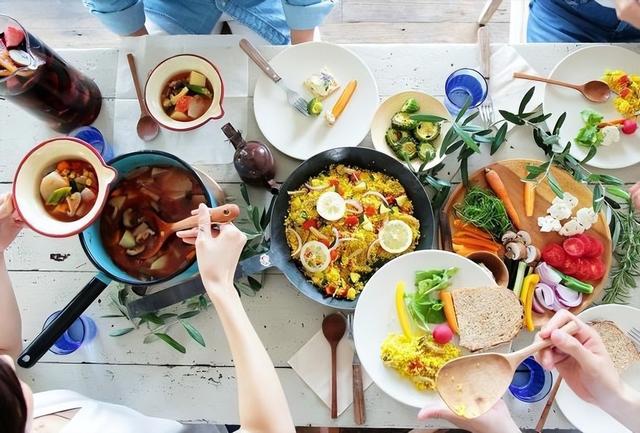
x=584, y=21
x=279, y=22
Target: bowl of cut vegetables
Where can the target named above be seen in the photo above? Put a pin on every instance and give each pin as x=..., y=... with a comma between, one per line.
x=184, y=92
x=410, y=126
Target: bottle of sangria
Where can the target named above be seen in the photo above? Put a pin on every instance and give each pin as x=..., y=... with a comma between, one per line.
x=35, y=77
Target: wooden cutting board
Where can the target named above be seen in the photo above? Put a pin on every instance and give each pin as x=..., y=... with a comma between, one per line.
x=512, y=172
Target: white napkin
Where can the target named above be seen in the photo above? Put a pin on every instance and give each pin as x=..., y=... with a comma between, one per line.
x=206, y=144
x=313, y=364
x=506, y=91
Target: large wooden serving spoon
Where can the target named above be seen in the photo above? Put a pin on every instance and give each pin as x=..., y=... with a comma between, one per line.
x=221, y=214
x=333, y=328
x=594, y=90
x=472, y=384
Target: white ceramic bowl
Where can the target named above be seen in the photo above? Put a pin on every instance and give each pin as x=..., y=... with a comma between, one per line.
x=382, y=121
x=163, y=73
x=34, y=165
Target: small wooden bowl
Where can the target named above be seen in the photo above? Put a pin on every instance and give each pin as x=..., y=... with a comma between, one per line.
x=494, y=264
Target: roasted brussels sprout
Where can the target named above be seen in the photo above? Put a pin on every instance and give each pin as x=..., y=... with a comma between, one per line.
x=426, y=151
x=427, y=131
x=393, y=137
x=403, y=121
x=410, y=106
x=407, y=149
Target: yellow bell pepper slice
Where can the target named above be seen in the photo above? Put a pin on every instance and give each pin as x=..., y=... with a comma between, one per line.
x=529, y=282
x=401, y=310
x=526, y=296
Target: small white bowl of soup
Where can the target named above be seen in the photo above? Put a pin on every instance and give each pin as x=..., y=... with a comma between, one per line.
x=61, y=186
x=184, y=92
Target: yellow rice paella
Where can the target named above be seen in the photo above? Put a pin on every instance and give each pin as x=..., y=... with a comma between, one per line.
x=344, y=223
x=627, y=88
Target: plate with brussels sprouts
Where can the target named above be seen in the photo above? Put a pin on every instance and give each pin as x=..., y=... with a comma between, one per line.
x=396, y=133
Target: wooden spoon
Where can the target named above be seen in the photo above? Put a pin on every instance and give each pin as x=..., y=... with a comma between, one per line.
x=147, y=127
x=594, y=90
x=472, y=384
x=221, y=214
x=333, y=328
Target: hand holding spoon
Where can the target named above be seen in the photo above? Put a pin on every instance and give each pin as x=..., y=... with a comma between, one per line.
x=333, y=328
x=594, y=90
x=147, y=127
x=472, y=384
x=221, y=214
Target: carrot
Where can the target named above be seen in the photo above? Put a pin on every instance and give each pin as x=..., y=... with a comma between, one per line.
x=529, y=198
x=344, y=99
x=449, y=310
x=494, y=181
x=462, y=250
x=475, y=243
x=62, y=165
x=470, y=234
x=459, y=224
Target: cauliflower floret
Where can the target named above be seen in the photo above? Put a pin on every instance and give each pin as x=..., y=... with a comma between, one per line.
x=549, y=224
x=571, y=228
x=611, y=135
x=560, y=210
x=586, y=217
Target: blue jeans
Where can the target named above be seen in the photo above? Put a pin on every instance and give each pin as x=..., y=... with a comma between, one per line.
x=576, y=21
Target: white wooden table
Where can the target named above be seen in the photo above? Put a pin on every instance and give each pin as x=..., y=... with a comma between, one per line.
x=200, y=385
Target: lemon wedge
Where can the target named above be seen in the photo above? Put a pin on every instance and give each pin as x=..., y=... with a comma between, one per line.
x=395, y=236
x=331, y=206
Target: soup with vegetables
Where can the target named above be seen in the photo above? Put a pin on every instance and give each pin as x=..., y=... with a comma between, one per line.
x=127, y=229
x=69, y=190
x=187, y=96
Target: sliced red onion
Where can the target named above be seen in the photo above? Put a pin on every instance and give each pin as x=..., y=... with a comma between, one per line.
x=377, y=194
x=354, y=206
x=537, y=307
x=544, y=295
x=336, y=234
x=548, y=275
x=557, y=306
x=568, y=297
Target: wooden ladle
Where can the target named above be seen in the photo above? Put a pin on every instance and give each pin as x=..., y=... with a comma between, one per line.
x=333, y=328
x=472, y=384
x=221, y=214
x=594, y=90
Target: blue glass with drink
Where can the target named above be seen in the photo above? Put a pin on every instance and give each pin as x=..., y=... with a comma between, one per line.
x=93, y=136
x=464, y=85
x=82, y=331
x=531, y=382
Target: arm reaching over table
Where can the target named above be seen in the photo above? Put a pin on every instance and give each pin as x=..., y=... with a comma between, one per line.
x=262, y=403
x=586, y=367
x=497, y=419
x=10, y=323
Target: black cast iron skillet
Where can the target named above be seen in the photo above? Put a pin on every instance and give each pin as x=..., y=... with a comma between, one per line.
x=279, y=254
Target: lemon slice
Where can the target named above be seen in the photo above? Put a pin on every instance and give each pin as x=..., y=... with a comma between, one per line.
x=315, y=256
x=395, y=236
x=331, y=206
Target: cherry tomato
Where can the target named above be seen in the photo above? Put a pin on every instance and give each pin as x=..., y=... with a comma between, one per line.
x=333, y=254
x=596, y=268
x=574, y=246
x=554, y=255
x=310, y=223
x=351, y=220
x=369, y=211
x=183, y=104
x=329, y=289
x=624, y=80
x=391, y=200
x=629, y=126
x=625, y=92
x=326, y=242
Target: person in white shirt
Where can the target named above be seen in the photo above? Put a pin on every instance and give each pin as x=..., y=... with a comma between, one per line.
x=262, y=404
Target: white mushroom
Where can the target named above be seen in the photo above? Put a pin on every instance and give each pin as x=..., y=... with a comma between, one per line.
x=50, y=183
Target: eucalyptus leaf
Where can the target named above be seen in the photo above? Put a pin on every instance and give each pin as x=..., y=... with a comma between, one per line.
x=153, y=318
x=150, y=339
x=170, y=341
x=463, y=110
x=455, y=146
x=466, y=138
x=589, y=156
x=541, y=118
x=447, y=141
x=555, y=186
x=499, y=138
x=193, y=332
x=525, y=100
x=598, y=197
x=428, y=118
x=559, y=123
x=510, y=117
x=188, y=314
x=464, y=172
x=470, y=118
x=121, y=331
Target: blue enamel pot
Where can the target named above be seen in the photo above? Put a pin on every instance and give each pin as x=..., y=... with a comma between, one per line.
x=91, y=242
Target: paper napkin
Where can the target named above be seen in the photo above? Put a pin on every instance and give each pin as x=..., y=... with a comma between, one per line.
x=506, y=91
x=313, y=364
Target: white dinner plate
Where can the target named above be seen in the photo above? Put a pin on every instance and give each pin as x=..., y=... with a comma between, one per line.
x=302, y=137
x=375, y=315
x=585, y=416
x=579, y=67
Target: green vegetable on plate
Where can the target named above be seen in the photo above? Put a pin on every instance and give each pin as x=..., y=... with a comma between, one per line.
x=427, y=131
x=424, y=304
x=403, y=121
x=481, y=208
x=393, y=137
x=407, y=148
x=200, y=90
x=58, y=195
x=590, y=135
x=410, y=106
x=314, y=107
x=426, y=151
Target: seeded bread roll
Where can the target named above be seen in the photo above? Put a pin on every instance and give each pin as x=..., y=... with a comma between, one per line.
x=621, y=349
x=487, y=316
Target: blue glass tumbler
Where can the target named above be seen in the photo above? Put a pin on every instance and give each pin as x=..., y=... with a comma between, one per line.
x=94, y=137
x=463, y=85
x=83, y=330
x=531, y=382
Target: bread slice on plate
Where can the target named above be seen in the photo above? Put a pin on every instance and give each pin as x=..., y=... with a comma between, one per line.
x=620, y=347
x=487, y=316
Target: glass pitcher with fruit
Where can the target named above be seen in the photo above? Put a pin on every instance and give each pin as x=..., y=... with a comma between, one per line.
x=35, y=77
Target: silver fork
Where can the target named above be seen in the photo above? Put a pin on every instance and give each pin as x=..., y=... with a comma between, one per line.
x=486, y=108
x=294, y=99
x=358, y=390
x=634, y=333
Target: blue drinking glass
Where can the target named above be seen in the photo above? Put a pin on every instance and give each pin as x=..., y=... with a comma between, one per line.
x=94, y=137
x=462, y=85
x=83, y=330
x=531, y=382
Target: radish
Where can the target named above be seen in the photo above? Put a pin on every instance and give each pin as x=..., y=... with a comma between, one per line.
x=629, y=126
x=442, y=334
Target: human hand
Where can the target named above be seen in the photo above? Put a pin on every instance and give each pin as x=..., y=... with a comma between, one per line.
x=629, y=11
x=581, y=359
x=635, y=195
x=10, y=226
x=497, y=419
x=218, y=250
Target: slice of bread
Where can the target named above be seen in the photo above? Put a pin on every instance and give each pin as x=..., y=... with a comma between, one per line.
x=487, y=316
x=620, y=347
